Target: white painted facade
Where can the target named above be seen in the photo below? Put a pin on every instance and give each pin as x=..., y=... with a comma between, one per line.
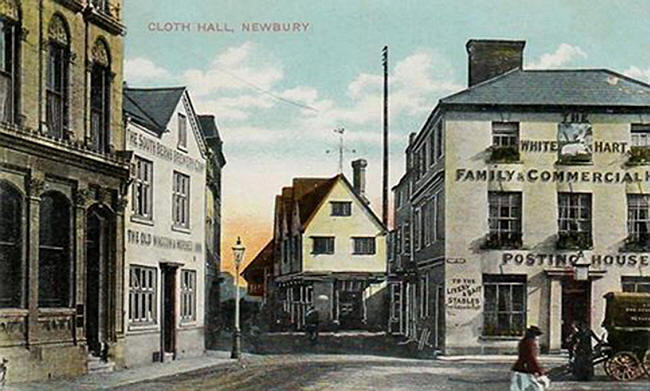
x=158, y=245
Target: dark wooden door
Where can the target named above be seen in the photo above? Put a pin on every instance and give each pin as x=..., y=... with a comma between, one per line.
x=576, y=305
x=96, y=253
x=169, y=311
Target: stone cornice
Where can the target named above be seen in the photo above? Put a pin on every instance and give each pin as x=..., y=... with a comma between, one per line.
x=74, y=153
x=105, y=20
x=73, y=5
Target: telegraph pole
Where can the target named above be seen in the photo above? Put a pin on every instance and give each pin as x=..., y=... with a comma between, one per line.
x=384, y=203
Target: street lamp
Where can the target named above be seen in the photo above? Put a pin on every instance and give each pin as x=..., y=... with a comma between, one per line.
x=581, y=268
x=238, y=255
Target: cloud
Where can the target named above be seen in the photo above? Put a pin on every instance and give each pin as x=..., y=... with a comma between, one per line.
x=140, y=69
x=234, y=69
x=638, y=73
x=562, y=56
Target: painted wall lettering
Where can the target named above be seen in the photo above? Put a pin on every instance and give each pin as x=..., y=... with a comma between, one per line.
x=564, y=260
x=551, y=176
x=464, y=293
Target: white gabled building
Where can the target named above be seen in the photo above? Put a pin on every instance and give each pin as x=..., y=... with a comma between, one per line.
x=165, y=227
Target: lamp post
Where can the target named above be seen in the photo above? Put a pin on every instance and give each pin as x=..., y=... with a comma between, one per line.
x=238, y=254
x=581, y=268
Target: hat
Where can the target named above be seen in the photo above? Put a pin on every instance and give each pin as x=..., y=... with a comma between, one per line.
x=534, y=331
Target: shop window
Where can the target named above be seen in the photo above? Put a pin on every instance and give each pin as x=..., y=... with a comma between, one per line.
x=54, y=271
x=638, y=222
x=188, y=295
x=100, y=94
x=181, y=201
x=341, y=208
x=10, y=247
x=504, y=220
x=142, y=205
x=635, y=284
x=364, y=246
x=505, y=142
x=640, y=144
x=142, y=295
x=8, y=70
x=182, y=131
x=504, y=311
x=574, y=222
x=323, y=245
x=57, y=79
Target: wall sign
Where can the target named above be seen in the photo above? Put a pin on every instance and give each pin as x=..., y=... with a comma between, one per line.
x=146, y=239
x=567, y=260
x=553, y=176
x=464, y=293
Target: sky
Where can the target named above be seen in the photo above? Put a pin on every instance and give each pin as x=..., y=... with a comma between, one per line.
x=278, y=95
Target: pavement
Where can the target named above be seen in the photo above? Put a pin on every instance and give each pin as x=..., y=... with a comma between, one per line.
x=126, y=377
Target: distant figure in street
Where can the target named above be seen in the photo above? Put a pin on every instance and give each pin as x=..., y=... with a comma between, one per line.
x=527, y=374
x=311, y=324
x=3, y=371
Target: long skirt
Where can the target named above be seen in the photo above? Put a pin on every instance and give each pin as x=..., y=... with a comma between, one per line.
x=525, y=382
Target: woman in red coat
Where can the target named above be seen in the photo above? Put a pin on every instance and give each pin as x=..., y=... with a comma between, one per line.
x=527, y=373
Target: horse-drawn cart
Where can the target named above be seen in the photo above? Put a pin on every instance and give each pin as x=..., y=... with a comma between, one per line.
x=626, y=354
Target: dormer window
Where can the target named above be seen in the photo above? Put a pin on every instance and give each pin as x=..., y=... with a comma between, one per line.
x=505, y=142
x=341, y=208
x=182, y=131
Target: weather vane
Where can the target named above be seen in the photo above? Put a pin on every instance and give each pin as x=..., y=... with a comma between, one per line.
x=341, y=149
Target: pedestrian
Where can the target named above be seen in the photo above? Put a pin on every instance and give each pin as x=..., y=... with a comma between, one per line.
x=527, y=374
x=3, y=371
x=311, y=324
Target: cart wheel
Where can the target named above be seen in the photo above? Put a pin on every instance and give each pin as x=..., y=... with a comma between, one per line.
x=646, y=362
x=624, y=366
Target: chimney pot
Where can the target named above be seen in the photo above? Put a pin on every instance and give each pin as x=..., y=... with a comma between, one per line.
x=489, y=58
x=359, y=177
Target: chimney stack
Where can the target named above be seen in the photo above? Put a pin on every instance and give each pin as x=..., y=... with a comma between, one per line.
x=488, y=58
x=359, y=177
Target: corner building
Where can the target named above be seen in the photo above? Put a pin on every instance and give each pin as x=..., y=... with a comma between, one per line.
x=545, y=175
x=63, y=181
x=166, y=227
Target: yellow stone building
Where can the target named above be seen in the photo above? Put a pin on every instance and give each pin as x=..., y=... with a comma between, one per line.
x=62, y=186
x=544, y=182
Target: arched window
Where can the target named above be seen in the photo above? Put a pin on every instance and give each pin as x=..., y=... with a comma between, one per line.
x=10, y=247
x=100, y=93
x=9, y=28
x=54, y=251
x=57, y=78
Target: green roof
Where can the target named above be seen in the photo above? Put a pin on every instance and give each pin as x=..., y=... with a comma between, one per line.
x=584, y=87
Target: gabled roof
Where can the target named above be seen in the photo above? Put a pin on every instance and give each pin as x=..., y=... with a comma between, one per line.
x=152, y=107
x=263, y=259
x=209, y=127
x=584, y=87
x=210, y=132
x=308, y=194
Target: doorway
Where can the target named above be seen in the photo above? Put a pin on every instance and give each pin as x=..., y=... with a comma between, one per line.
x=97, y=253
x=168, y=337
x=576, y=305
